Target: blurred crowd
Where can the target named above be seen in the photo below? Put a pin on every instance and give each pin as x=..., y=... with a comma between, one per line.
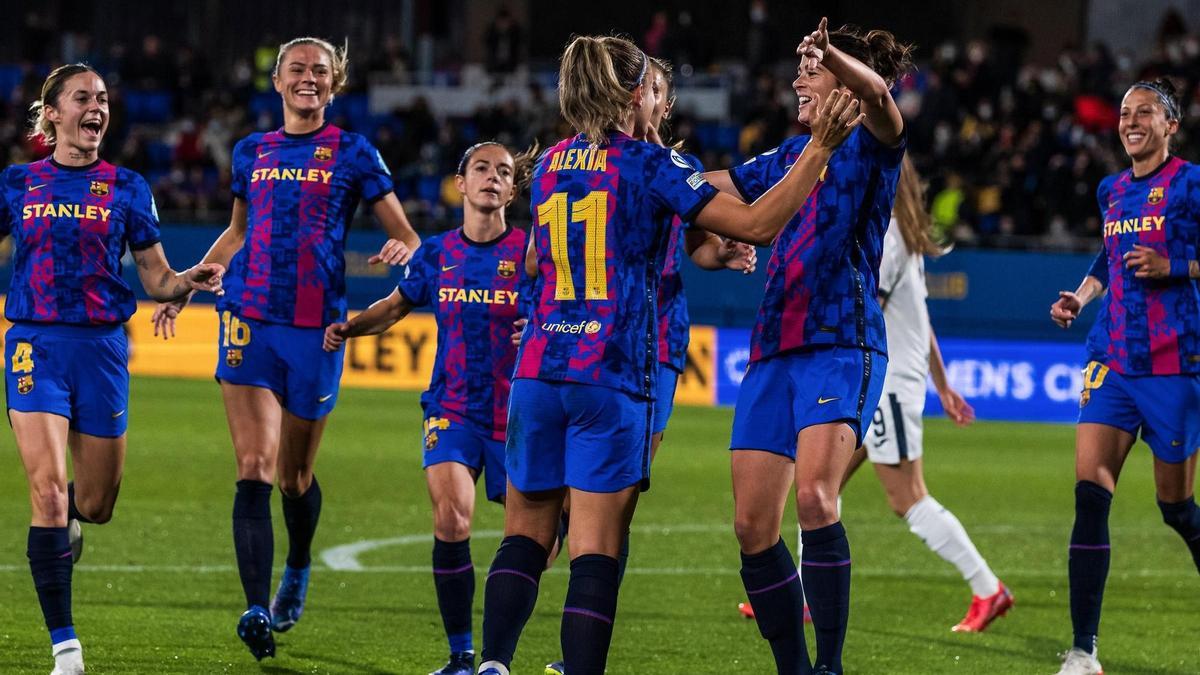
x=1011, y=150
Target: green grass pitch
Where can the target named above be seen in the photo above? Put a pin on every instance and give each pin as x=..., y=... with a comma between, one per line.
x=157, y=591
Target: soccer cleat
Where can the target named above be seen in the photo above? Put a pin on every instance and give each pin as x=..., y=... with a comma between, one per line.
x=493, y=668
x=983, y=611
x=556, y=668
x=254, y=628
x=748, y=612
x=75, y=539
x=288, y=603
x=1079, y=662
x=69, y=661
x=461, y=663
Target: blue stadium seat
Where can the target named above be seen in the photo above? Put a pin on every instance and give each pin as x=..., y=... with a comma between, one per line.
x=147, y=107
x=10, y=77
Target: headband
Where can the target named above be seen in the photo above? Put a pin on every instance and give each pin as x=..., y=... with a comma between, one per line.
x=462, y=163
x=642, y=75
x=1168, y=105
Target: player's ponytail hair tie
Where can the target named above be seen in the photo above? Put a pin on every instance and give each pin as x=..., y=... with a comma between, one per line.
x=1167, y=96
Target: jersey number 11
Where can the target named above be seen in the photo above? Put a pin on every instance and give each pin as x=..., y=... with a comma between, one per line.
x=592, y=211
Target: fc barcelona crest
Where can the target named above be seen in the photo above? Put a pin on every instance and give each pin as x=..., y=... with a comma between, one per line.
x=25, y=384
x=506, y=268
x=431, y=428
x=99, y=188
x=1156, y=195
x=323, y=153
x=233, y=357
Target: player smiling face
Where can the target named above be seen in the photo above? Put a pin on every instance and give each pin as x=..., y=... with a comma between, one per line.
x=80, y=113
x=1144, y=127
x=487, y=181
x=305, y=78
x=812, y=79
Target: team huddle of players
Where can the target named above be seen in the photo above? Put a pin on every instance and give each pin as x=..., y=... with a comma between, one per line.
x=559, y=350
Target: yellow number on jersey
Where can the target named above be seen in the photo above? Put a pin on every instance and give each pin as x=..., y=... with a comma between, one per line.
x=1093, y=375
x=235, y=333
x=592, y=211
x=22, y=358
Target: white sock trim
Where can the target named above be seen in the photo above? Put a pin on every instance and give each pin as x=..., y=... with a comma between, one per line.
x=945, y=536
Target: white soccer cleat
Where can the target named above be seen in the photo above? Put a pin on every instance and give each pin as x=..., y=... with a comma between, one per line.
x=68, y=660
x=1079, y=662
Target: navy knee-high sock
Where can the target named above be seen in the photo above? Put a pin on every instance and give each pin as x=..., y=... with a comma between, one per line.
x=72, y=512
x=454, y=581
x=253, y=540
x=588, y=614
x=50, y=563
x=1087, y=561
x=509, y=595
x=1184, y=518
x=773, y=587
x=300, y=515
x=826, y=569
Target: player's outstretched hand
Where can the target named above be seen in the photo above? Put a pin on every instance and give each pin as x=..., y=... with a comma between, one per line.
x=335, y=337
x=519, y=328
x=815, y=44
x=956, y=407
x=1065, y=309
x=1147, y=262
x=164, y=318
x=836, y=117
x=738, y=256
x=206, y=277
x=394, y=252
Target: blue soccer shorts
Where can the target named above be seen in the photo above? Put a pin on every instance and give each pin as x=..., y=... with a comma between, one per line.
x=78, y=372
x=452, y=441
x=664, y=402
x=1165, y=408
x=285, y=359
x=585, y=436
x=784, y=394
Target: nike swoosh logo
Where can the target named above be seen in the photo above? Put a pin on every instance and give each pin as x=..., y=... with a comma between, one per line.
x=36, y=187
x=823, y=401
x=324, y=398
x=264, y=154
x=447, y=268
x=1175, y=444
x=118, y=414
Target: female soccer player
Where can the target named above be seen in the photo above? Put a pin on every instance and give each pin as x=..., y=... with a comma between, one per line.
x=706, y=250
x=71, y=217
x=296, y=190
x=582, y=397
x=1144, y=350
x=473, y=277
x=894, y=443
x=817, y=355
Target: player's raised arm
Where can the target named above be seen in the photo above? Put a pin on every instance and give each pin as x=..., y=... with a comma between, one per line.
x=758, y=223
x=380, y=316
x=848, y=57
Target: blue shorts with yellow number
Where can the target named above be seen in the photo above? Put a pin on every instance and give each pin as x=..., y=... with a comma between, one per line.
x=1165, y=408
x=784, y=394
x=285, y=359
x=585, y=436
x=664, y=401
x=78, y=372
x=450, y=441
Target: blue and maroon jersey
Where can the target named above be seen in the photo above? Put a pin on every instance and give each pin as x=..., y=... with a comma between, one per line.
x=674, y=325
x=301, y=191
x=474, y=289
x=823, y=274
x=602, y=219
x=70, y=226
x=1149, y=326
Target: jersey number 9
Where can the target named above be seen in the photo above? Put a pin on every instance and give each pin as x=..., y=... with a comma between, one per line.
x=592, y=211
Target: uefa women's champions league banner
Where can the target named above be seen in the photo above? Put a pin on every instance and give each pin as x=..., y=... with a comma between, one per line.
x=1002, y=379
